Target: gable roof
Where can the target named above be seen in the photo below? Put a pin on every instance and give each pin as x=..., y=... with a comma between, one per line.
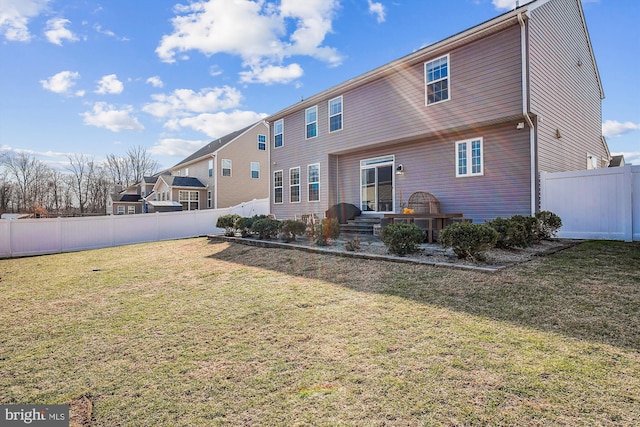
x=125, y=198
x=215, y=145
x=183, y=181
x=464, y=37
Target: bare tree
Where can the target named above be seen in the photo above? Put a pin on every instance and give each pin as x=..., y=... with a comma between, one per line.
x=141, y=163
x=131, y=168
x=80, y=167
x=25, y=172
x=6, y=193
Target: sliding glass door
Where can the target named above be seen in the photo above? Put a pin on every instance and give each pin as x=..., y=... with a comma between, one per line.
x=376, y=184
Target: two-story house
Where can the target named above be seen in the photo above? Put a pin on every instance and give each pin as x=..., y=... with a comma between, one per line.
x=471, y=119
x=225, y=172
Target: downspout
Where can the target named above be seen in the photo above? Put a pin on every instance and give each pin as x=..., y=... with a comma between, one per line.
x=525, y=112
x=215, y=181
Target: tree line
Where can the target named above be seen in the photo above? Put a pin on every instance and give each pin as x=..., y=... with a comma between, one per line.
x=29, y=185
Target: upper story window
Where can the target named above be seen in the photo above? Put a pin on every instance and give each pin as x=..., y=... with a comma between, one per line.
x=335, y=114
x=311, y=120
x=436, y=76
x=469, y=158
x=313, y=179
x=278, y=133
x=255, y=170
x=277, y=187
x=294, y=184
x=211, y=167
x=262, y=142
x=226, y=167
x=186, y=172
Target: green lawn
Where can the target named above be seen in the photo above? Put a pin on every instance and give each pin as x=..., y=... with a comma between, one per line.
x=193, y=333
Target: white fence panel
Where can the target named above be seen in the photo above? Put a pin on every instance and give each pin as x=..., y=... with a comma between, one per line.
x=594, y=204
x=635, y=202
x=50, y=235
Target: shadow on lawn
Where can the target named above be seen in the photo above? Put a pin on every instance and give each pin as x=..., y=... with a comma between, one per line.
x=590, y=291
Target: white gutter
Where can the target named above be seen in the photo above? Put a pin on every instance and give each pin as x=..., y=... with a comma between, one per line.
x=525, y=112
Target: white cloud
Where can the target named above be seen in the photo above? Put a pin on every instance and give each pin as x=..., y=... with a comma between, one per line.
x=272, y=74
x=184, y=102
x=155, y=81
x=56, y=31
x=15, y=16
x=217, y=124
x=176, y=147
x=107, y=116
x=109, y=85
x=109, y=33
x=613, y=128
x=62, y=83
x=256, y=31
x=378, y=9
x=508, y=4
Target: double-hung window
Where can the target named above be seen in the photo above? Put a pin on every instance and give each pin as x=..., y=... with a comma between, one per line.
x=255, y=170
x=469, y=158
x=210, y=167
x=436, y=76
x=277, y=187
x=226, y=167
x=335, y=114
x=278, y=133
x=313, y=180
x=294, y=185
x=190, y=200
x=131, y=210
x=262, y=142
x=311, y=121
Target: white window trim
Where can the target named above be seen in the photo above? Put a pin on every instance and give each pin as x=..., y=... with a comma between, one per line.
x=120, y=210
x=281, y=121
x=222, y=169
x=309, y=183
x=131, y=208
x=257, y=169
x=281, y=187
x=330, y=115
x=307, y=123
x=469, y=153
x=426, y=83
x=264, y=143
x=210, y=167
x=209, y=199
x=299, y=185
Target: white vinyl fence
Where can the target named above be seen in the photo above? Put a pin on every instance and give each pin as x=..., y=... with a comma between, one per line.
x=20, y=237
x=594, y=204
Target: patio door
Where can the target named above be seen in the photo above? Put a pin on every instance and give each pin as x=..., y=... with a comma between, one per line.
x=376, y=184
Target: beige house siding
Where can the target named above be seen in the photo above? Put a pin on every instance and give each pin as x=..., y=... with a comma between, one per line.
x=565, y=91
x=240, y=187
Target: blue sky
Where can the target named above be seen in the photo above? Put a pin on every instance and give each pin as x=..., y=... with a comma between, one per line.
x=98, y=77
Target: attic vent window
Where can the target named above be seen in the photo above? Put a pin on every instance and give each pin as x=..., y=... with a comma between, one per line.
x=436, y=75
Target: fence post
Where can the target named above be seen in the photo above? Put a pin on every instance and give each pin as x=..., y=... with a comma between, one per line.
x=627, y=203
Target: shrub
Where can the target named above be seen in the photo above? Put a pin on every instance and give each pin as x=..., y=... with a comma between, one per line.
x=228, y=223
x=353, y=245
x=530, y=225
x=321, y=232
x=266, y=228
x=548, y=224
x=402, y=239
x=244, y=224
x=292, y=228
x=511, y=233
x=468, y=240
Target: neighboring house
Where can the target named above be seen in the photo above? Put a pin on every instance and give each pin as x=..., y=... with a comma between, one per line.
x=176, y=193
x=225, y=172
x=124, y=202
x=617, y=161
x=472, y=119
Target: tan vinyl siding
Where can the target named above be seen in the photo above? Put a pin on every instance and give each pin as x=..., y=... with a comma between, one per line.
x=564, y=94
x=429, y=165
x=485, y=87
x=240, y=187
